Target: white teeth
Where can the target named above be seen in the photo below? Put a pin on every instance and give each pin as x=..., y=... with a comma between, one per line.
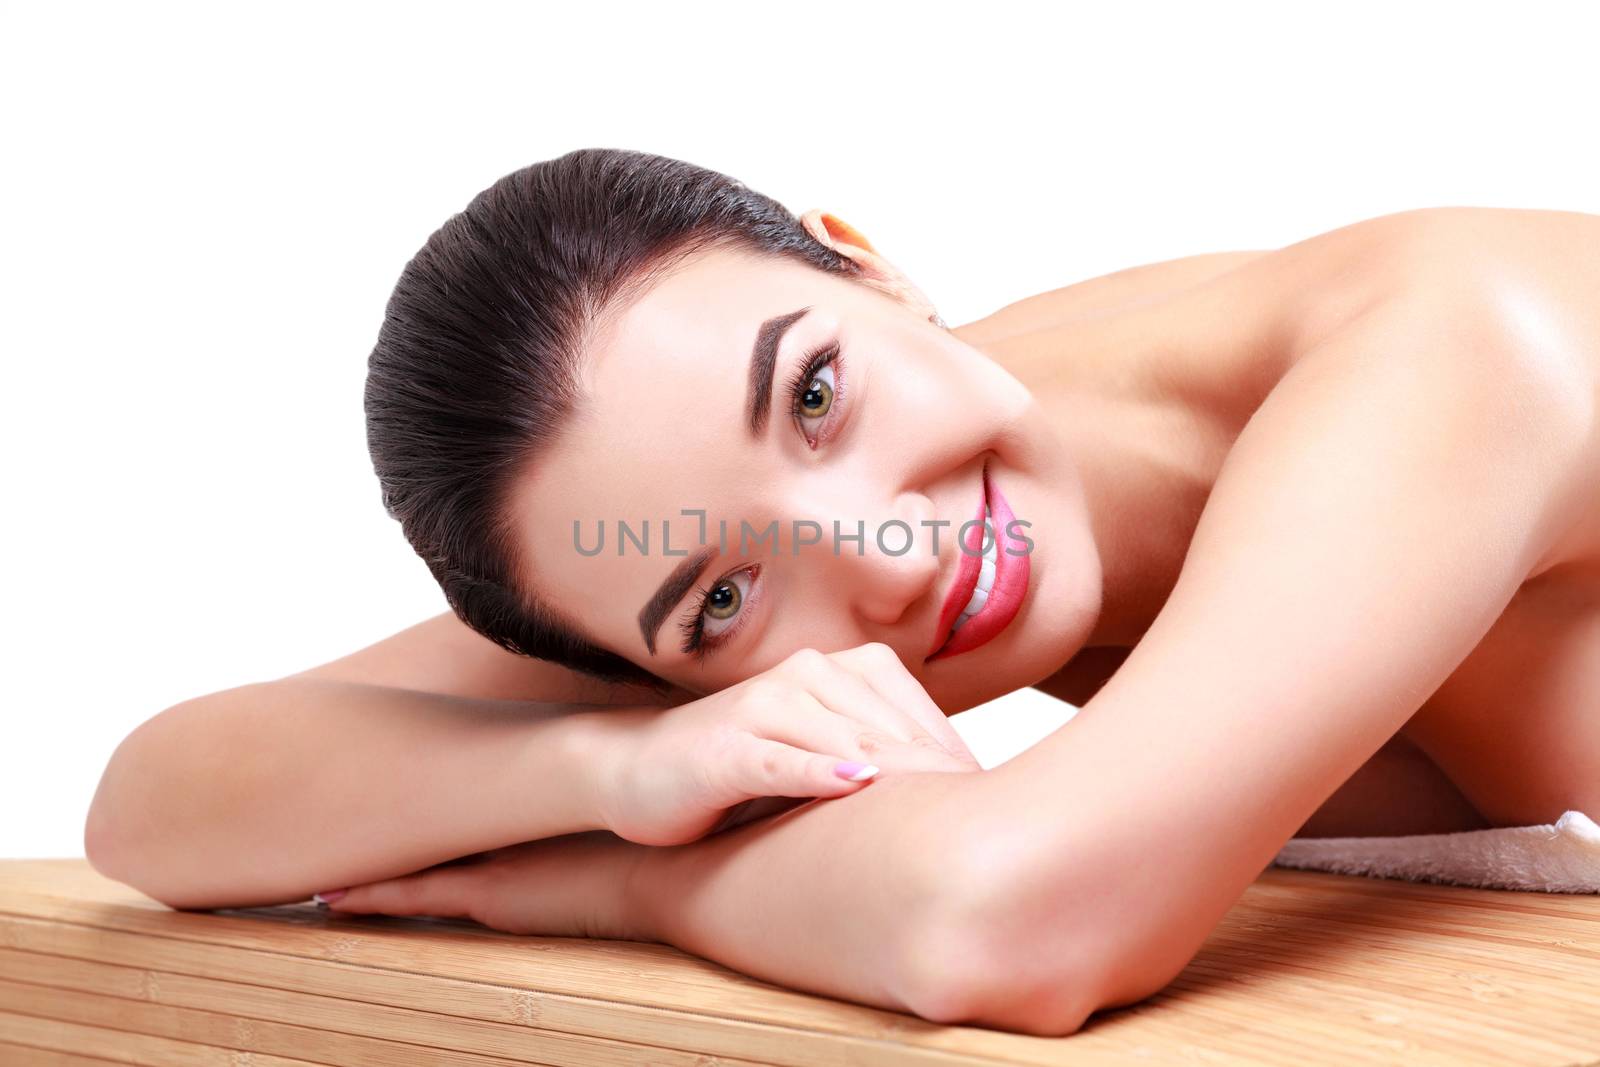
x=980, y=592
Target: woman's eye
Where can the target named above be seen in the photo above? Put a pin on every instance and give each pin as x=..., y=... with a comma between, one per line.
x=719, y=612
x=814, y=388
x=817, y=397
x=723, y=601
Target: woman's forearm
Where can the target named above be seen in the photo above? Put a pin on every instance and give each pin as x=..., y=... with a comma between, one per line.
x=842, y=897
x=269, y=792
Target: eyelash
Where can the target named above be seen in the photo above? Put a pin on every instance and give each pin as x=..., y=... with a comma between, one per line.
x=814, y=361
x=695, y=643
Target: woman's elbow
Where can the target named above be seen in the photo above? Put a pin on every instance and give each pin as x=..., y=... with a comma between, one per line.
x=1014, y=954
x=976, y=964
x=1011, y=988
x=963, y=978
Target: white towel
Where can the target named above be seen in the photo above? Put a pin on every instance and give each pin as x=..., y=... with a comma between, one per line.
x=1559, y=857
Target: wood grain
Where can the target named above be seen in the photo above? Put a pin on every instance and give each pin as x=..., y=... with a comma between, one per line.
x=1307, y=968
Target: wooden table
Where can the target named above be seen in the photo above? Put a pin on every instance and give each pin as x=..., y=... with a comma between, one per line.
x=1306, y=969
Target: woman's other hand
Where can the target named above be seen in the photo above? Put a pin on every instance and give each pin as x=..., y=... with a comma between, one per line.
x=800, y=730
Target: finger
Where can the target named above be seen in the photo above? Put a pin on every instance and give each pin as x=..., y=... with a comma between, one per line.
x=843, y=691
x=886, y=673
x=759, y=767
x=575, y=885
x=846, y=691
x=847, y=720
x=801, y=719
x=438, y=891
x=569, y=886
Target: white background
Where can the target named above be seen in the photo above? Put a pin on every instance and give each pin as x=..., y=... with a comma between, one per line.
x=205, y=208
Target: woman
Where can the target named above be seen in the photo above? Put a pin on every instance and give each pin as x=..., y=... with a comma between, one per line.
x=1330, y=513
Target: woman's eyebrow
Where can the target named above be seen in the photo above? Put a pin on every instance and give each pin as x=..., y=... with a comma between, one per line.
x=762, y=359
x=683, y=576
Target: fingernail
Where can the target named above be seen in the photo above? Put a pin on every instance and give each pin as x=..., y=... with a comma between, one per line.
x=329, y=897
x=853, y=771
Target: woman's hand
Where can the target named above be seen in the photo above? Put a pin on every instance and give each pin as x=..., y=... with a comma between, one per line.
x=576, y=885
x=674, y=775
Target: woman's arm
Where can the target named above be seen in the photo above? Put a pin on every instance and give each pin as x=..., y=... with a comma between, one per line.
x=423, y=747
x=269, y=792
x=1370, y=525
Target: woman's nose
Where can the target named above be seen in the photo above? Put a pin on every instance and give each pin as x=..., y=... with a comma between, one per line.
x=886, y=562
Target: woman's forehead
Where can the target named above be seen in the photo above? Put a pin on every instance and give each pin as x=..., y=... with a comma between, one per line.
x=704, y=312
x=673, y=376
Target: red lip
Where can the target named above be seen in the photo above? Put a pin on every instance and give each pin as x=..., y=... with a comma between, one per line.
x=1010, y=580
x=967, y=566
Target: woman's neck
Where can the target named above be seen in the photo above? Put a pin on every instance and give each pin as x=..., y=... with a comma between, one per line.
x=1147, y=377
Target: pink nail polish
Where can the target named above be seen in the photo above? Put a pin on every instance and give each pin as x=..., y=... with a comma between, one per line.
x=852, y=771
x=329, y=897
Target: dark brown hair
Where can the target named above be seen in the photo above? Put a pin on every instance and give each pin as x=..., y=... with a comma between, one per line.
x=475, y=370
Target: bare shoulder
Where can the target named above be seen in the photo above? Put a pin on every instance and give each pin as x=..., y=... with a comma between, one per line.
x=444, y=655
x=1463, y=229
x=1503, y=301
x=1519, y=258
x=1146, y=281
x=1532, y=275
x=1537, y=232
x=1499, y=303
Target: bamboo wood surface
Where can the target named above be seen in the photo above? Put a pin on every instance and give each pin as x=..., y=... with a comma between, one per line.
x=1307, y=968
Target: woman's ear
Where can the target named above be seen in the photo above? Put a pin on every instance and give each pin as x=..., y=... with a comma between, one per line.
x=836, y=233
x=876, y=271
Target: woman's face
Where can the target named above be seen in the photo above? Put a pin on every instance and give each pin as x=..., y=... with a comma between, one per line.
x=781, y=404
